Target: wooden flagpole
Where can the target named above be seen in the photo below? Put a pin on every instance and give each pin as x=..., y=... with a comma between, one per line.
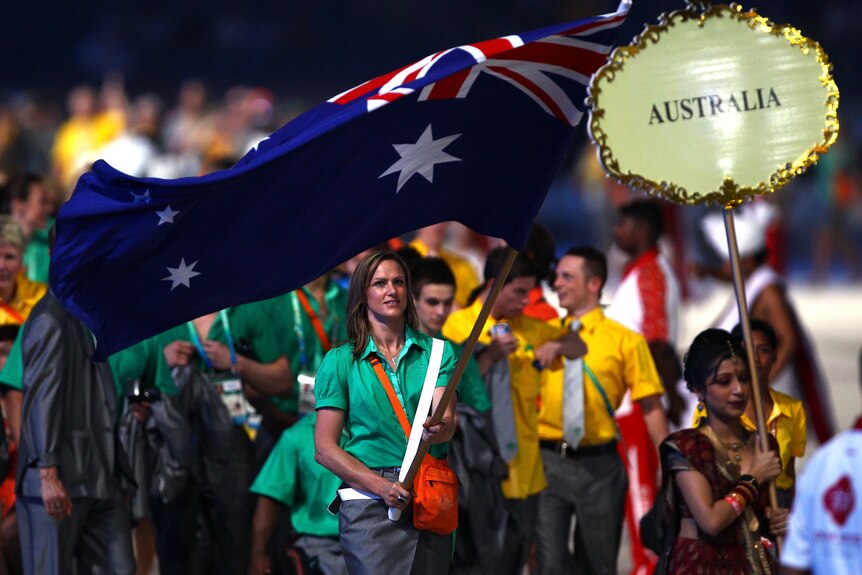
x=469, y=346
x=745, y=322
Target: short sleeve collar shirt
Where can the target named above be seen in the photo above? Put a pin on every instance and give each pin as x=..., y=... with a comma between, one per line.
x=374, y=435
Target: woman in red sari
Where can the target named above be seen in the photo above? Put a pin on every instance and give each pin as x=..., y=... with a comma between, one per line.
x=717, y=473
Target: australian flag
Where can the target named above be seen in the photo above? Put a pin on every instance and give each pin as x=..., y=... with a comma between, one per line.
x=473, y=134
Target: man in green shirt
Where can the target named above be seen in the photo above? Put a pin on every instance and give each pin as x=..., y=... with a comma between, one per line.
x=290, y=477
x=312, y=321
x=433, y=289
x=240, y=350
x=31, y=203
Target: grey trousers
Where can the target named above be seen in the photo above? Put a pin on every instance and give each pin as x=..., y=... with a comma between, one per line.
x=98, y=535
x=520, y=533
x=374, y=545
x=326, y=552
x=593, y=489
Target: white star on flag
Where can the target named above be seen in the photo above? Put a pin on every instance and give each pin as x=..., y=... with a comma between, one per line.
x=421, y=157
x=182, y=274
x=141, y=198
x=258, y=143
x=166, y=216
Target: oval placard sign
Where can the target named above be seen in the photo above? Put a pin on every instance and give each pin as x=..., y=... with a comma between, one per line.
x=713, y=105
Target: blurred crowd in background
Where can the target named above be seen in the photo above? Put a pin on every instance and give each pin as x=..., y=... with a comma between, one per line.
x=174, y=91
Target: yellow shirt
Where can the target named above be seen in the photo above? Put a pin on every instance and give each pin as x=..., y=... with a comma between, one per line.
x=620, y=359
x=27, y=294
x=526, y=473
x=466, y=279
x=78, y=141
x=787, y=423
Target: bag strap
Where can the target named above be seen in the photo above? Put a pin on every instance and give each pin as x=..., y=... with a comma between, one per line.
x=424, y=408
x=601, y=390
x=610, y=409
x=414, y=433
x=315, y=321
x=390, y=392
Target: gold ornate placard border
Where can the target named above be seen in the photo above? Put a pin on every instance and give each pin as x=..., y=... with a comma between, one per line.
x=729, y=193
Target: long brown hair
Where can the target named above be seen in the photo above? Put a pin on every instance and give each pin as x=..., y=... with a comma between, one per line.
x=358, y=328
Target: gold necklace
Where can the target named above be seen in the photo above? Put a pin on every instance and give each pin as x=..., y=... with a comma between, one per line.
x=733, y=450
x=393, y=356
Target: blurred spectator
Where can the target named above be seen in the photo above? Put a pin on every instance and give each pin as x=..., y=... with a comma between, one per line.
x=137, y=149
x=541, y=247
x=796, y=371
x=32, y=204
x=38, y=117
x=429, y=242
x=81, y=136
x=243, y=121
x=10, y=550
x=838, y=217
x=10, y=141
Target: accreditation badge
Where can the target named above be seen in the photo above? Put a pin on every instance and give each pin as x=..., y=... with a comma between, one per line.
x=229, y=388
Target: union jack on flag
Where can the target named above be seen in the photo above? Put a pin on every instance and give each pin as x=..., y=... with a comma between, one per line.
x=529, y=62
x=473, y=134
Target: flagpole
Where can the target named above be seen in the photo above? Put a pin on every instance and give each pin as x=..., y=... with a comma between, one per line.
x=466, y=354
x=745, y=322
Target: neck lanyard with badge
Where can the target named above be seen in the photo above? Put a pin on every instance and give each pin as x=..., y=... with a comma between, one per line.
x=306, y=375
x=228, y=384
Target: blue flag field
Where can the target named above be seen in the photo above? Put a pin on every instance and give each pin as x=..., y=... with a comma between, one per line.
x=473, y=134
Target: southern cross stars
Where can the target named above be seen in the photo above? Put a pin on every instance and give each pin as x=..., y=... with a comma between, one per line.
x=166, y=216
x=421, y=157
x=141, y=198
x=181, y=274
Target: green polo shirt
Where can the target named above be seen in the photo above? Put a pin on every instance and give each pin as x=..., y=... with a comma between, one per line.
x=134, y=362
x=12, y=375
x=292, y=477
x=301, y=344
x=145, y=360
x=374, y=435
x=471, y=388
x=37, y=254
x=250, y=323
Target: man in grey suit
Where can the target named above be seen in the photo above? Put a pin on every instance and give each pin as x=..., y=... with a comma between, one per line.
x=71, y=468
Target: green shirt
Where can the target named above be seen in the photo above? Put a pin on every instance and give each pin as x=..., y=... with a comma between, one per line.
x=374, y=435
x=37, y=255
x=471, y=387
x=292, y=477
x=249, y=323
x=301, y=344
x=12, y=375
x=134, y=362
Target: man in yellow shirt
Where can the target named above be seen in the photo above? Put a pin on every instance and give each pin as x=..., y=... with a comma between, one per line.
x=513, y=350
x=577, y=431
x=82, y=135
x=785, y=416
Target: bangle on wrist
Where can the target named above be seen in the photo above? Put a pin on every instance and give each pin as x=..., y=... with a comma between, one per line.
x=746, y=491
x=733, y=500
x=748, y=478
